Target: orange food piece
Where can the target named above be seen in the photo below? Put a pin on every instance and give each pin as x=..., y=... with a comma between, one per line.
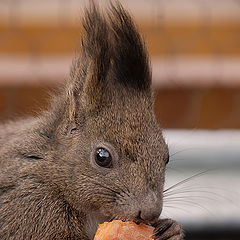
x=119, y=230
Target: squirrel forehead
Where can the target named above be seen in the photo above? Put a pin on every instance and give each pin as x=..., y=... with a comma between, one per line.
x=130, y=117
x=128, y=127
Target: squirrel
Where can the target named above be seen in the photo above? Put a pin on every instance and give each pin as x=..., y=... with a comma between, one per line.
x=97, y=153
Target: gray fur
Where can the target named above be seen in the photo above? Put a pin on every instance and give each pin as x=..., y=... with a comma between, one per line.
x=50, y=187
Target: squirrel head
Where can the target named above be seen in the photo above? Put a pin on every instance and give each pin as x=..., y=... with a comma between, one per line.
x=108, y=138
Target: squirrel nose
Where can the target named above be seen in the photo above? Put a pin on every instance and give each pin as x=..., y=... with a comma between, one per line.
x=148, y=215
x=149, y=209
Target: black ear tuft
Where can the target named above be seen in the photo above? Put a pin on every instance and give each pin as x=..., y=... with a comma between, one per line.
x=129, y=55
x=112, y=52
x=95, y=43
x=94, y=61
x=111, y=44
x=90, y=68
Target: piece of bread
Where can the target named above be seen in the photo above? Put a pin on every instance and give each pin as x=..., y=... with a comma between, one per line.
x=119, y=230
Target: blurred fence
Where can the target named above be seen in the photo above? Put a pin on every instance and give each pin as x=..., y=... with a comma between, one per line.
x=194, y=46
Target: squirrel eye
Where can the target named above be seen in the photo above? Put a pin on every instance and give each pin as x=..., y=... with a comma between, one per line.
x=103, y=158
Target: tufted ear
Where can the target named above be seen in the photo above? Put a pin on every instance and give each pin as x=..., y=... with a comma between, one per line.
x=90, y=68
x=129, y=55
x=113, y=58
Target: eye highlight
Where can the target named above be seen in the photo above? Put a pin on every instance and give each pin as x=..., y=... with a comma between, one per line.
x=103, y=158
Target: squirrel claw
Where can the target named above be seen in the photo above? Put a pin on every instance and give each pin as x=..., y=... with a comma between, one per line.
x=168, y=229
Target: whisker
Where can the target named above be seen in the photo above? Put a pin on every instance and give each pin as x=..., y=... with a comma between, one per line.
x=198, y=189
x=101, y=185
x=187, y=202
x=105, y=195
x=183, y=150
x=189, y=197
x=168, y=168
x=126, y=191
x=186, y=180
x=112, y=198
x=170, y=194
x=173, y=207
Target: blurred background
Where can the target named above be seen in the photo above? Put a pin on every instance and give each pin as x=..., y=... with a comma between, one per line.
x=195, y=54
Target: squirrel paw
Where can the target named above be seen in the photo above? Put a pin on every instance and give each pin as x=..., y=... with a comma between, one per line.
x=168, y=229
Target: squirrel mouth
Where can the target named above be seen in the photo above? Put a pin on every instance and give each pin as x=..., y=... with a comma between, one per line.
x=110, y=216
x=95, y=218
x=135, y=220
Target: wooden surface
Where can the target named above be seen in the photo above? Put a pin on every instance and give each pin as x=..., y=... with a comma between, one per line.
x=161, y=39
x=193, y=108
x=194, y=46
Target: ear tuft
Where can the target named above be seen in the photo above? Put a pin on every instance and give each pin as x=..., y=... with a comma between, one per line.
x=94, y=60
x=113, y=55
x=129, y=55
x=89, y=69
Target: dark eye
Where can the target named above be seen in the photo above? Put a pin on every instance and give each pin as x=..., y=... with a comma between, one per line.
x=103, y=158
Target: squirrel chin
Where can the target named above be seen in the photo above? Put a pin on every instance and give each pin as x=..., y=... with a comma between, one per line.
x=93, y=220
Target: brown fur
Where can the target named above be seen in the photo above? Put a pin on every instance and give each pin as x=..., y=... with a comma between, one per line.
x=49, y=186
